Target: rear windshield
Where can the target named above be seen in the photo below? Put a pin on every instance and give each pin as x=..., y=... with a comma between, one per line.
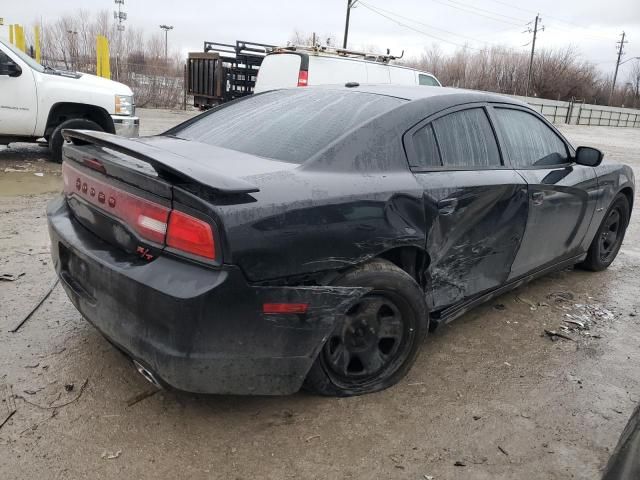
x=288, y=125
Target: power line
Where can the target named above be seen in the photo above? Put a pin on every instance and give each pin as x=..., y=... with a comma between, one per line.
x=518, y=7
x=397, y=22
x=475, y=13
x=491, y=12
x=425, y=24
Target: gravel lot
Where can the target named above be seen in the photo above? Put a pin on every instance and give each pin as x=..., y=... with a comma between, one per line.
x=489, y=391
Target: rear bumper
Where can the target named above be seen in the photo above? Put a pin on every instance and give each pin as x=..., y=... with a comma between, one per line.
x=195, y=328
x=126, y=126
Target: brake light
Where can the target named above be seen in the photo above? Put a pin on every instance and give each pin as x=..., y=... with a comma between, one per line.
x=285, y=307
x=150, y=220
x=190, y=235
x=303, y=78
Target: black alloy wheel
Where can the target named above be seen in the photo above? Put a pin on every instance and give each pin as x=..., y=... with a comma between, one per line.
x=607, y=242
x=610, y=238
x=376, y=341
x=369, y=340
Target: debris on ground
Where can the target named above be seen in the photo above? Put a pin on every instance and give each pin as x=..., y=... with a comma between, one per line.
x=308, y=439
x=59, y=405
x=526, y=301
x=10, y=277
x=559, y=297
x=503, y=450
x=553, y=335
x=36, y=306
x=459, y=464
x=111, y=456
x=141, y=396
x=499, y=306
x=69, y=387
x=7, y=404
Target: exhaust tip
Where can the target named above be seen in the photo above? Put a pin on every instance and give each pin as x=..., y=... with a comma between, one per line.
x=150, y=377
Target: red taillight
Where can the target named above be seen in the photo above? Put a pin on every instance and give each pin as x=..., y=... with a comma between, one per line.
x=285, y=307
x=303, y=78
x=190, y=235
x=150, y=220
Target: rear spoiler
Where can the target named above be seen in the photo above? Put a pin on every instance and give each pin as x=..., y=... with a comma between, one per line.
x=163, y=162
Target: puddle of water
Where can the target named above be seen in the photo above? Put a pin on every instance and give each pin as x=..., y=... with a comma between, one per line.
x=26, y=183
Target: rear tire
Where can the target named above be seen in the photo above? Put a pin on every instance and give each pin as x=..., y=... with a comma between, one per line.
x=56, y=140
x=608, y=240
x=376, y=342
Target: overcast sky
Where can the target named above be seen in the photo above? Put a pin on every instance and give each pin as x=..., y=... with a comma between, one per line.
x=593, y=26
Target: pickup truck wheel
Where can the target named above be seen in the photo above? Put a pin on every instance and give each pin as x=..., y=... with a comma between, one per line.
x=607, y=242
x=56, y=140
x=375, y=342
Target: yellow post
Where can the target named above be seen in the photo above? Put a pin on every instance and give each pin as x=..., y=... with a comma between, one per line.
x=11, y=40
x=20, y=41
x=102, y=57
x=36, y=41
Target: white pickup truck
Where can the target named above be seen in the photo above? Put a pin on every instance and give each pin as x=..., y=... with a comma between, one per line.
x=39, y=102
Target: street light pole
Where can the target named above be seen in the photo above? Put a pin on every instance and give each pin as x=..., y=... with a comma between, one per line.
x=350, y=5
x=166, y=29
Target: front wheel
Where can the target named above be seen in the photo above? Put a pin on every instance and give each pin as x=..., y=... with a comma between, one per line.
x=375, y=343
x=56, y=140
x=607, y=242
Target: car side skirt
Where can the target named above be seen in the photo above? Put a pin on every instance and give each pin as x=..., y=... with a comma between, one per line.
x=449, y=314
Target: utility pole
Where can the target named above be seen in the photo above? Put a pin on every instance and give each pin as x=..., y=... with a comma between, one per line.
x=120, y=16
x=538, y=21
x=166, y=29
x=620, y=44
x=350, y=5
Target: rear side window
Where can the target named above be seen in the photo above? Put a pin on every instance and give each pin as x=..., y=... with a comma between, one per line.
x=288, y=125
x=426, y=148
x=427, y=80
x=466, y=139
x=528, y=141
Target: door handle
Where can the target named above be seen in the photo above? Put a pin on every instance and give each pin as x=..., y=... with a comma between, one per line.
x=537, y=198
x=447, y=206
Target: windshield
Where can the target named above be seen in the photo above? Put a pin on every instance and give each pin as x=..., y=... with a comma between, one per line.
x=24, y=57
x=288, y=125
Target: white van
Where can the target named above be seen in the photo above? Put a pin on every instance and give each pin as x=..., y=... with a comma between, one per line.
x=287, y=67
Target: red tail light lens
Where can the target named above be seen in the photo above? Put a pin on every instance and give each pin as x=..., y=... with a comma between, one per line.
x=190, y=235
x=285, y=307
x=150, y=220
x=303, y=78
x=147, y=218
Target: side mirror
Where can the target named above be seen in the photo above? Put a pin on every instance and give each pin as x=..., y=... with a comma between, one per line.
x=9, y=68
x=590, y=157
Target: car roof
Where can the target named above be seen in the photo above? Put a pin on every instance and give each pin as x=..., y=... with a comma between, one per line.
x=418, y=92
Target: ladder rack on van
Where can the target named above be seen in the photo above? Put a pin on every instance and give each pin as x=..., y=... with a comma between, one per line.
x=342, y=52
x=223, y=72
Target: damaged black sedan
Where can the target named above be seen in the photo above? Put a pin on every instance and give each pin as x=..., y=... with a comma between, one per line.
x=311, y=237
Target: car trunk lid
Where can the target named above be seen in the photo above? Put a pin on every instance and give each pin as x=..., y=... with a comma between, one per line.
x=123, y=190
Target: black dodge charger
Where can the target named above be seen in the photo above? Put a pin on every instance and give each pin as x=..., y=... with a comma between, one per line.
x=312, y=236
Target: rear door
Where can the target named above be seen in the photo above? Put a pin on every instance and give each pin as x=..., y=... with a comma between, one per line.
x=278, y=70
x=475, y=206
x=562, y=194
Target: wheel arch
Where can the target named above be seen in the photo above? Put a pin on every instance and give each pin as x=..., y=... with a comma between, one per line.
x=63, y=111
x=412, y=259
x=628, y=193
